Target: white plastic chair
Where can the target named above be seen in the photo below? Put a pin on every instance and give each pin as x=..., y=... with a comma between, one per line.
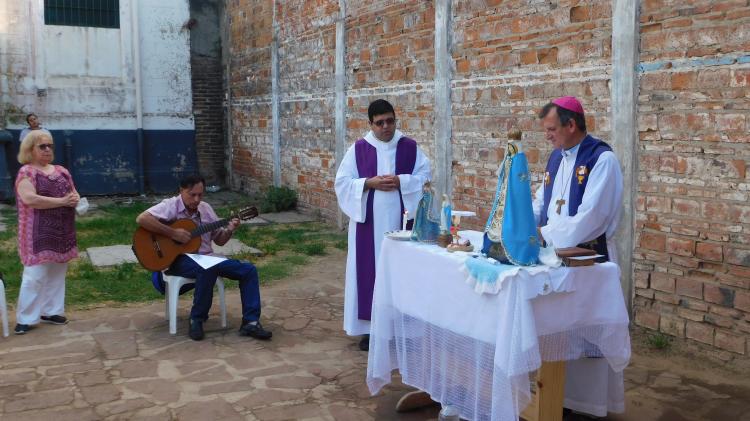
x=172, y=295
x=3, y=309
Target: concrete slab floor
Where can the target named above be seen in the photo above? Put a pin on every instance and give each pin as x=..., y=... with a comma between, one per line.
x=121, y=363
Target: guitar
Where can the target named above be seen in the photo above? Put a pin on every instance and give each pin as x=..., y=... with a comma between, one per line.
x=156, y=252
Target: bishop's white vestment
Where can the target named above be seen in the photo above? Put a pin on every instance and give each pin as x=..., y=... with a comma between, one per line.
x=591, y=386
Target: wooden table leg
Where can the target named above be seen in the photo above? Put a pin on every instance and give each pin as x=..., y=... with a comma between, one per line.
x=546, y=404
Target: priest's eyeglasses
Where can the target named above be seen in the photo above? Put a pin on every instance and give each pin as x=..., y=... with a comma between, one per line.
x=389, y=121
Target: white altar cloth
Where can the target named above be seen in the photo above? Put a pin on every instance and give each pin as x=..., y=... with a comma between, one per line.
x=475, y=351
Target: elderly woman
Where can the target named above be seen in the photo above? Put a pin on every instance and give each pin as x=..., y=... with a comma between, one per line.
x=46, y=200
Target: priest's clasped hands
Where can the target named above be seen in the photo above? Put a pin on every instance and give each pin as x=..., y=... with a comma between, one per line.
x=383, y=182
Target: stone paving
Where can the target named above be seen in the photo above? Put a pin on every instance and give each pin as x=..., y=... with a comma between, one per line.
x=121, y=363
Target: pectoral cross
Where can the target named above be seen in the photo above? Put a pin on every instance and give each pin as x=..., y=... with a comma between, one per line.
x=559, y=203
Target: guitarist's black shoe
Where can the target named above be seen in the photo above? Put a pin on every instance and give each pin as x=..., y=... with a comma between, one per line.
x=254, y=330
x=196, y=330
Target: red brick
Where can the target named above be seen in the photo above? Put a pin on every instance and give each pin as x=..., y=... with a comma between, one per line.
x=700, y=332
x=462, y=66
x=647, y=318
x=694, y=304
x=730, y=122
x=719, y=321
x=742, y=301
x=680, y=165
x=688, y=232
x=735, y=256
x=672, y=325
x=649, y=162
x=730, y=313
x=658, y=204
x=698, y=121
x=730, y=342
x=653, y=241
x=686, y=207
x=547, y=55
x=714, y=78
x=741, y=78
x=641, y=279
x=719, y=295
x=666, y=298
x=662, y=282
x=694, y=315
x=528, y=57
x=709, y=251
x=643, y=292
x=740, y=167
x=740, y=271
x=671, y=123
x=719, y=211
x=689, y=287
x=684, y=81
x=680, y=246
x=580, y=14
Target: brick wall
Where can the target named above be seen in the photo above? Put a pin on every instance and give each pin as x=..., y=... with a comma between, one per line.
x=250, y=35
x=508, y=58
x=306, y=80
x=692, y=263
x=208, y=95
x=511, y=59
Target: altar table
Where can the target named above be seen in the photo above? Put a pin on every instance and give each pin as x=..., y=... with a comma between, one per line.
x=476, y=351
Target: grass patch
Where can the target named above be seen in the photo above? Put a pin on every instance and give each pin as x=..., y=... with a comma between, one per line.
x=280, y=268
x=659, y=341
x=312, y=249
x=112, y=224
x=285, y=248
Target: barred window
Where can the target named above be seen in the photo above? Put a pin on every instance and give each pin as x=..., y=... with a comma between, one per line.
x=94, y=13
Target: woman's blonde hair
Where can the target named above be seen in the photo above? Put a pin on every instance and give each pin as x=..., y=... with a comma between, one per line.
x=28, y=143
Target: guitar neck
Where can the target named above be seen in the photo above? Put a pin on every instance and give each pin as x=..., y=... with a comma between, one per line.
x=204, y=228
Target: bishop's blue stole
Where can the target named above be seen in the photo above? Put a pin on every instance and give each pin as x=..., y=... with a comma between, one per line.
x=588, y=154
x=367, y=165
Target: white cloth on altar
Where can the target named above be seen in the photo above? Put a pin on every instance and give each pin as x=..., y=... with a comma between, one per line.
x=599, y=211
x=352, y=199
x=475, y=350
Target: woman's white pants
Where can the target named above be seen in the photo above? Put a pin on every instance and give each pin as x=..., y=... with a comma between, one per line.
x=42, y=292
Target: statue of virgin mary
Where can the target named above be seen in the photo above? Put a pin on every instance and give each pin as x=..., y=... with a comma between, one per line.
x=510, y=235
x=427, y=221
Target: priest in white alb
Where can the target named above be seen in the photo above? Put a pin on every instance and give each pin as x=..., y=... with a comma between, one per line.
x=380, y=177
x=578, y=204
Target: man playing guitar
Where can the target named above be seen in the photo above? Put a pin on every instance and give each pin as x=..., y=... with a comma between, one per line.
x=189, y=204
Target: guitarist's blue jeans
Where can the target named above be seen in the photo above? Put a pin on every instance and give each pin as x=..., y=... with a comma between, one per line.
x=205, y=279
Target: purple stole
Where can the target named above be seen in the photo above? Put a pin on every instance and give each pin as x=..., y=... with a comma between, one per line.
x=588, y=154
x=367, y=166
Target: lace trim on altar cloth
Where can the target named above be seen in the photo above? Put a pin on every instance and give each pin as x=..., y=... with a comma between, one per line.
x=482, y=381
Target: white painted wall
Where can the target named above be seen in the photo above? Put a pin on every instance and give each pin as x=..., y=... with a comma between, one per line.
x=81, y=78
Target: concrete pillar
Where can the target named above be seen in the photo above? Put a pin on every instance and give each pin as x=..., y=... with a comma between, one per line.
x=340, y=88
x=276, y=133
x=625, y=42
x=443, y=158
